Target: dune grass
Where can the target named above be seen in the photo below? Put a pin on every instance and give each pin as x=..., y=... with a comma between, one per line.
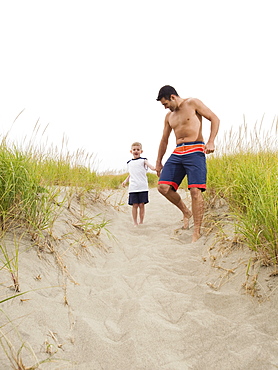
x=31, y=180
x=22, y=198
x=246, y=175
x=244, y=172
x=32, y=183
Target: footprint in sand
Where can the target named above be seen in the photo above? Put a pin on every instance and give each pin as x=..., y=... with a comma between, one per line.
x=182, y=235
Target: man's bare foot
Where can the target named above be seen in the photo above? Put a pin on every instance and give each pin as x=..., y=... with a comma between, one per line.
x=196, y=235
x=186, y=221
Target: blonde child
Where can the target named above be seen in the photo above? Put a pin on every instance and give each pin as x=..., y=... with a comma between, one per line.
x=138, y=183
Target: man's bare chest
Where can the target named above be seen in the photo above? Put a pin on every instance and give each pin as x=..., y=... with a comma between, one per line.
x=183, y=118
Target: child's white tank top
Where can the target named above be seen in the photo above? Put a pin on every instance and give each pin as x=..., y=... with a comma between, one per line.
x=138, y=180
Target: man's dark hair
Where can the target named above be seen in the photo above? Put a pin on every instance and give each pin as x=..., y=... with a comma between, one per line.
x=165, y=92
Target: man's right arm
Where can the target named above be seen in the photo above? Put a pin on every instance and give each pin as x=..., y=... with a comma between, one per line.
x=163, y=145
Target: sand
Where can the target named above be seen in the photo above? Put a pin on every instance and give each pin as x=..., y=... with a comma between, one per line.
x=145, y=298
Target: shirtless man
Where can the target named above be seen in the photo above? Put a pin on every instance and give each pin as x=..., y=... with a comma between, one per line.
x=188, y=158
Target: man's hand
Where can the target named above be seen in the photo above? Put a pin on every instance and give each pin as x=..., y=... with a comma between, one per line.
x=158, y=168
x=209, y=148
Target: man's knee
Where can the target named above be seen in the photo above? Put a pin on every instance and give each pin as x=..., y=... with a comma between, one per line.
x=163, y=189
x=195, y=193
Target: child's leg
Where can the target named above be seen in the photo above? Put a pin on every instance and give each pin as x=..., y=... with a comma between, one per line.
x=134, y=213
x=141, y=212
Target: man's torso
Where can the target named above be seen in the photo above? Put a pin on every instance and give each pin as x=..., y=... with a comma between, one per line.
x=186, y=123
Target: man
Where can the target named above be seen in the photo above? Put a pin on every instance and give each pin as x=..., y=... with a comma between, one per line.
x=185, y=118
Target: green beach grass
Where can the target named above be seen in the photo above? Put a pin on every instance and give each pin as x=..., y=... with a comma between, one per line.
x=245, y=174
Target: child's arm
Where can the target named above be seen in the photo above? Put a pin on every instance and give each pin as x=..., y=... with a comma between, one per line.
x=149, y=165
x=125, y=181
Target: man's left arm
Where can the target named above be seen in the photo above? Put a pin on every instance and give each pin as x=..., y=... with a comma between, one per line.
x=204, y=111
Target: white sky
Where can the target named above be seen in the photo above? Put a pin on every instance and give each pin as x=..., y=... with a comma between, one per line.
x=91, y=70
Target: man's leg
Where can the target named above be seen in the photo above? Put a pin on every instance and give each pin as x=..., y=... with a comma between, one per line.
x=198, y=212
x=175, y=198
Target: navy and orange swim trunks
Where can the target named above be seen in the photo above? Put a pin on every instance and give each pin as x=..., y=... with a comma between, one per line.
x=188, y=159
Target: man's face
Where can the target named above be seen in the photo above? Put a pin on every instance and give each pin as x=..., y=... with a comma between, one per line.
x=136, y=151
x=168, y=104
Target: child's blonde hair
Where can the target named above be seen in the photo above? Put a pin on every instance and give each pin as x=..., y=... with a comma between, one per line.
x=136, y=144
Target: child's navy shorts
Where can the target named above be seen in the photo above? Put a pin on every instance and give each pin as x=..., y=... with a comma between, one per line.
x=138, y=197
x=188, y=159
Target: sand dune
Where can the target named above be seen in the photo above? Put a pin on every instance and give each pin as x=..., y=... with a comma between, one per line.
x=152, y=301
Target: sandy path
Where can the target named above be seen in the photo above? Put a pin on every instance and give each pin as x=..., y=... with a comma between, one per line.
x=147, y=304
x=156, y=310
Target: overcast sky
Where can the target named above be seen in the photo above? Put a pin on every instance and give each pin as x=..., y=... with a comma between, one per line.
x=90, y=71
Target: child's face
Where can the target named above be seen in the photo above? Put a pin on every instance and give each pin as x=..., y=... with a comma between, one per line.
x=136, y=151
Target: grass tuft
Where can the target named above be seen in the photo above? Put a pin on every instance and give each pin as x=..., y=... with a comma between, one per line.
x=246, y=176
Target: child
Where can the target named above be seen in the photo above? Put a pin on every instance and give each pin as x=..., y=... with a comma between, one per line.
x=138, y=183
